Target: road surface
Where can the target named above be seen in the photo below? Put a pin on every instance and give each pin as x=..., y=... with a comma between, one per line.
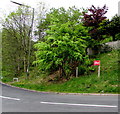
x=18, y=100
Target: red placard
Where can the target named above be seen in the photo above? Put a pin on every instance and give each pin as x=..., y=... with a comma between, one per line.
x=97, y=62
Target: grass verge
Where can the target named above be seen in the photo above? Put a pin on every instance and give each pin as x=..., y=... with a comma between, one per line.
x=107, y=83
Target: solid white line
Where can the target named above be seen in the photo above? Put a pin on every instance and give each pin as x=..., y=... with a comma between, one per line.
x=9, y=98
x=93, y=105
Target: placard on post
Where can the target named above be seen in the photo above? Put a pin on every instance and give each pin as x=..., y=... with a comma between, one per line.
x=97, y=62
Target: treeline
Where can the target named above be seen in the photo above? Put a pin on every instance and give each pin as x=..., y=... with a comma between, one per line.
x=63, y=37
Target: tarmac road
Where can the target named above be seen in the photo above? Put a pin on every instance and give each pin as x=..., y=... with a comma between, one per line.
x=19, y=100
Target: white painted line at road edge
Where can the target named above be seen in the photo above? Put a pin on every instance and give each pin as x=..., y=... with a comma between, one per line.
x=10, y=98
x=93, y=105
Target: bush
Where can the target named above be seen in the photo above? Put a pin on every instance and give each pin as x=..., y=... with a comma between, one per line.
x=117, y=37
x=81, y=70
x=86, y=67
x=105, y=48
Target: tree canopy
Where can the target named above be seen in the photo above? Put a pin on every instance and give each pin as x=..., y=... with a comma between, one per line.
x=92, y=20
x=64, y=36
x=17, y=39
x=64, y=45
x=111, y=27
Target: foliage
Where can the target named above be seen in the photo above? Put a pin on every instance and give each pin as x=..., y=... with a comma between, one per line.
x=10, y=54
x=64, y=45
x=86, y=67
x=65, y=38
x=114, y=26
x=107, y=83
x=92, y=19
x=17, y=41
x=0, y=54
x=117, y=36
x=111, y=27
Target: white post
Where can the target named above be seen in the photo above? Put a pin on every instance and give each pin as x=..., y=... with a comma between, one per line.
x=98, y=71
x=15, y=79
x=76, y=71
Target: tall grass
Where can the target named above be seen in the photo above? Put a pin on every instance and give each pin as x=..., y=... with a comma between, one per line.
x=106, y=83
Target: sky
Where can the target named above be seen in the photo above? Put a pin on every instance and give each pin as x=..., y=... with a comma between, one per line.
x=6, y=6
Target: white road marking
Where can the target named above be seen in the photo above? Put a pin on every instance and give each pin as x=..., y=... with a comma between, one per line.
x=93, y=105
x=10, y=98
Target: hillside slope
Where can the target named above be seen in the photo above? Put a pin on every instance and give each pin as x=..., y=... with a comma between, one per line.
x=107, y=83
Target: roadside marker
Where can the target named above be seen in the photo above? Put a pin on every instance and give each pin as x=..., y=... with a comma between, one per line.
x=97, y=62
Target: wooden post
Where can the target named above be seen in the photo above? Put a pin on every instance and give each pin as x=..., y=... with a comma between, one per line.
x=76, y=71
x=98, y=71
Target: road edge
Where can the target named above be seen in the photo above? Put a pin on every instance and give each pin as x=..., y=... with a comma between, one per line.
x=96, y=94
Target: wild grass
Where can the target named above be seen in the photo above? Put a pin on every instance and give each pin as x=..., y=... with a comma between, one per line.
x=106, y=83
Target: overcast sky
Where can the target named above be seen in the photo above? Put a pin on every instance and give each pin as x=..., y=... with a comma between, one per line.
x=6, y=6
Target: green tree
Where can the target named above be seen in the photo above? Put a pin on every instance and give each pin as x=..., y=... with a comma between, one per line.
x=17, y=30
x=111, y=27
x=114, y=26
x=11, y=54
x=64, y=45
x=92, y=20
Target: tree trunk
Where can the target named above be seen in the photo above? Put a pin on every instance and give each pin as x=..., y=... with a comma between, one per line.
x=60, y=72
x=24, y=65
x=18, y=67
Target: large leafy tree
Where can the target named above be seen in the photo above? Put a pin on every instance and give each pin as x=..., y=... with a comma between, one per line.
x=64, y=45
x=92, y=19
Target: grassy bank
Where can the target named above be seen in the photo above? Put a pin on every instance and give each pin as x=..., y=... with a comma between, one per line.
x=107, y=83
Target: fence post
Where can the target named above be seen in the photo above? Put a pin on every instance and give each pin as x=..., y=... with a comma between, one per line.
x=76, y=71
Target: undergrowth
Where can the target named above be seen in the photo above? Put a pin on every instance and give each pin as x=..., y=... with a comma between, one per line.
x=106, y=83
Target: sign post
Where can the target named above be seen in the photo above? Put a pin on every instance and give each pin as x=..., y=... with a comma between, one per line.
x=98, y=71
x=97, y=62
